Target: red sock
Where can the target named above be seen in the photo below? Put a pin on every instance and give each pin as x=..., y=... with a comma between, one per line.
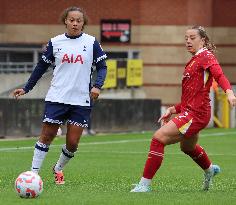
x=200, y=157
x=155, y=157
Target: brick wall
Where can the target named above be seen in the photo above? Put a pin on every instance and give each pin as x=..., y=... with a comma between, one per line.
x=158, y=28
x=141, y=12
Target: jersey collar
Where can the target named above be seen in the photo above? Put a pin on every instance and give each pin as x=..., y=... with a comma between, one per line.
x=73, y=37
x=200, y=51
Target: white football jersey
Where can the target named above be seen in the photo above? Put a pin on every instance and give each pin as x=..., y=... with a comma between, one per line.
x=73, y=58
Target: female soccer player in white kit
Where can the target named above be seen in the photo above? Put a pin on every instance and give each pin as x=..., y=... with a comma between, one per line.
x=70, y=95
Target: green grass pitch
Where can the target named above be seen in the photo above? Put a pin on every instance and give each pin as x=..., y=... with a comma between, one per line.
x=106, y=166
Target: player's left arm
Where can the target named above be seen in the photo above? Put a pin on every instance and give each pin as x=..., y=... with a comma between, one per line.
x=224, y=83
x=99, y=60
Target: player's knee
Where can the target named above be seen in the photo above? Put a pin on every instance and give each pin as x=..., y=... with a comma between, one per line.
x=47, y=137
x=160, y=137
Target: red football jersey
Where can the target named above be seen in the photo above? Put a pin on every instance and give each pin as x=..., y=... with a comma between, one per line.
x=197, y=81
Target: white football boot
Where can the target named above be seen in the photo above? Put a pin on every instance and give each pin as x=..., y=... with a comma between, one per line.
x=208, y=177
x=141, y=188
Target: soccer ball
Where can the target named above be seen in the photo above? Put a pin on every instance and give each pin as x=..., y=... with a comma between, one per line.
x=28, y=185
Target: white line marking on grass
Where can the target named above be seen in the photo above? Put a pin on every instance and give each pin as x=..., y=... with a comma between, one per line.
x=114, y=152
x=109, y=142
x=129, y=152
x=81, y=144
x=217, y=134
x=166, y=153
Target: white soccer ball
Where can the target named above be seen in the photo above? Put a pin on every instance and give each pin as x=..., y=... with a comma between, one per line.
x=28, y=185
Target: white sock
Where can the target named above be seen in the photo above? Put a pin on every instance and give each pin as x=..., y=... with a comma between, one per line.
x=40, y=152
x=209, y=169
x=145, y=182
x=64, y=158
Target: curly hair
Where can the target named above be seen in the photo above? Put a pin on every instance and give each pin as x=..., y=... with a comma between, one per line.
x=74, y=8
x=208, y=44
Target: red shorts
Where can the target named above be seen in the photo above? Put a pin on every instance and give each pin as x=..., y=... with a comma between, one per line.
x=189, y=124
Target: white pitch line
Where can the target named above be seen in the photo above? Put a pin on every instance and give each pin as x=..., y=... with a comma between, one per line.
x=217, y=134
x=135, y=152
x=166, y=153
x=108, y=142
x=81, y=144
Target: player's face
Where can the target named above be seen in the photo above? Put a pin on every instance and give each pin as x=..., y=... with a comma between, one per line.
x=74, y=23
x=193, y=41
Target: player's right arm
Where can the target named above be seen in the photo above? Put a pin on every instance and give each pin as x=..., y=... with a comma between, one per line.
x=46, y=60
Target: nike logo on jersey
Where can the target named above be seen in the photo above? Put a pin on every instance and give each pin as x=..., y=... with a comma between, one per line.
x=72, y=59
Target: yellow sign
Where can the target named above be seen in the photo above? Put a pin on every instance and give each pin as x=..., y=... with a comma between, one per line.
x=121, y=73
x=111, y=78
x=134, y=72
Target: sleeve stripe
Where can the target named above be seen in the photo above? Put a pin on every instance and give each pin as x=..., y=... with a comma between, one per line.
x=101, y=58
x=44, y=58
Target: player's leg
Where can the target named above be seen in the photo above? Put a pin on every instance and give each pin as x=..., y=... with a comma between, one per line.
x=48, y=133
x=78, y=120
x=167, y=134
x=68, y=150
x=53, y=118
x=72, y=140
x=190, y=147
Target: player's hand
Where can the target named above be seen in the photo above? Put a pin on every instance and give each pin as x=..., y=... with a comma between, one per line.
x=166, y=117
x=231, y=98
x=232, y=101
x=94, y=93
x=18, y=92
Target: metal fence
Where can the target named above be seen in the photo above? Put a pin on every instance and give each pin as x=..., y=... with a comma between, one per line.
x=11, y=67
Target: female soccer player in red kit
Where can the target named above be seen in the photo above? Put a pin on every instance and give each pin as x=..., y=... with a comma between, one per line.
x=193, y=112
